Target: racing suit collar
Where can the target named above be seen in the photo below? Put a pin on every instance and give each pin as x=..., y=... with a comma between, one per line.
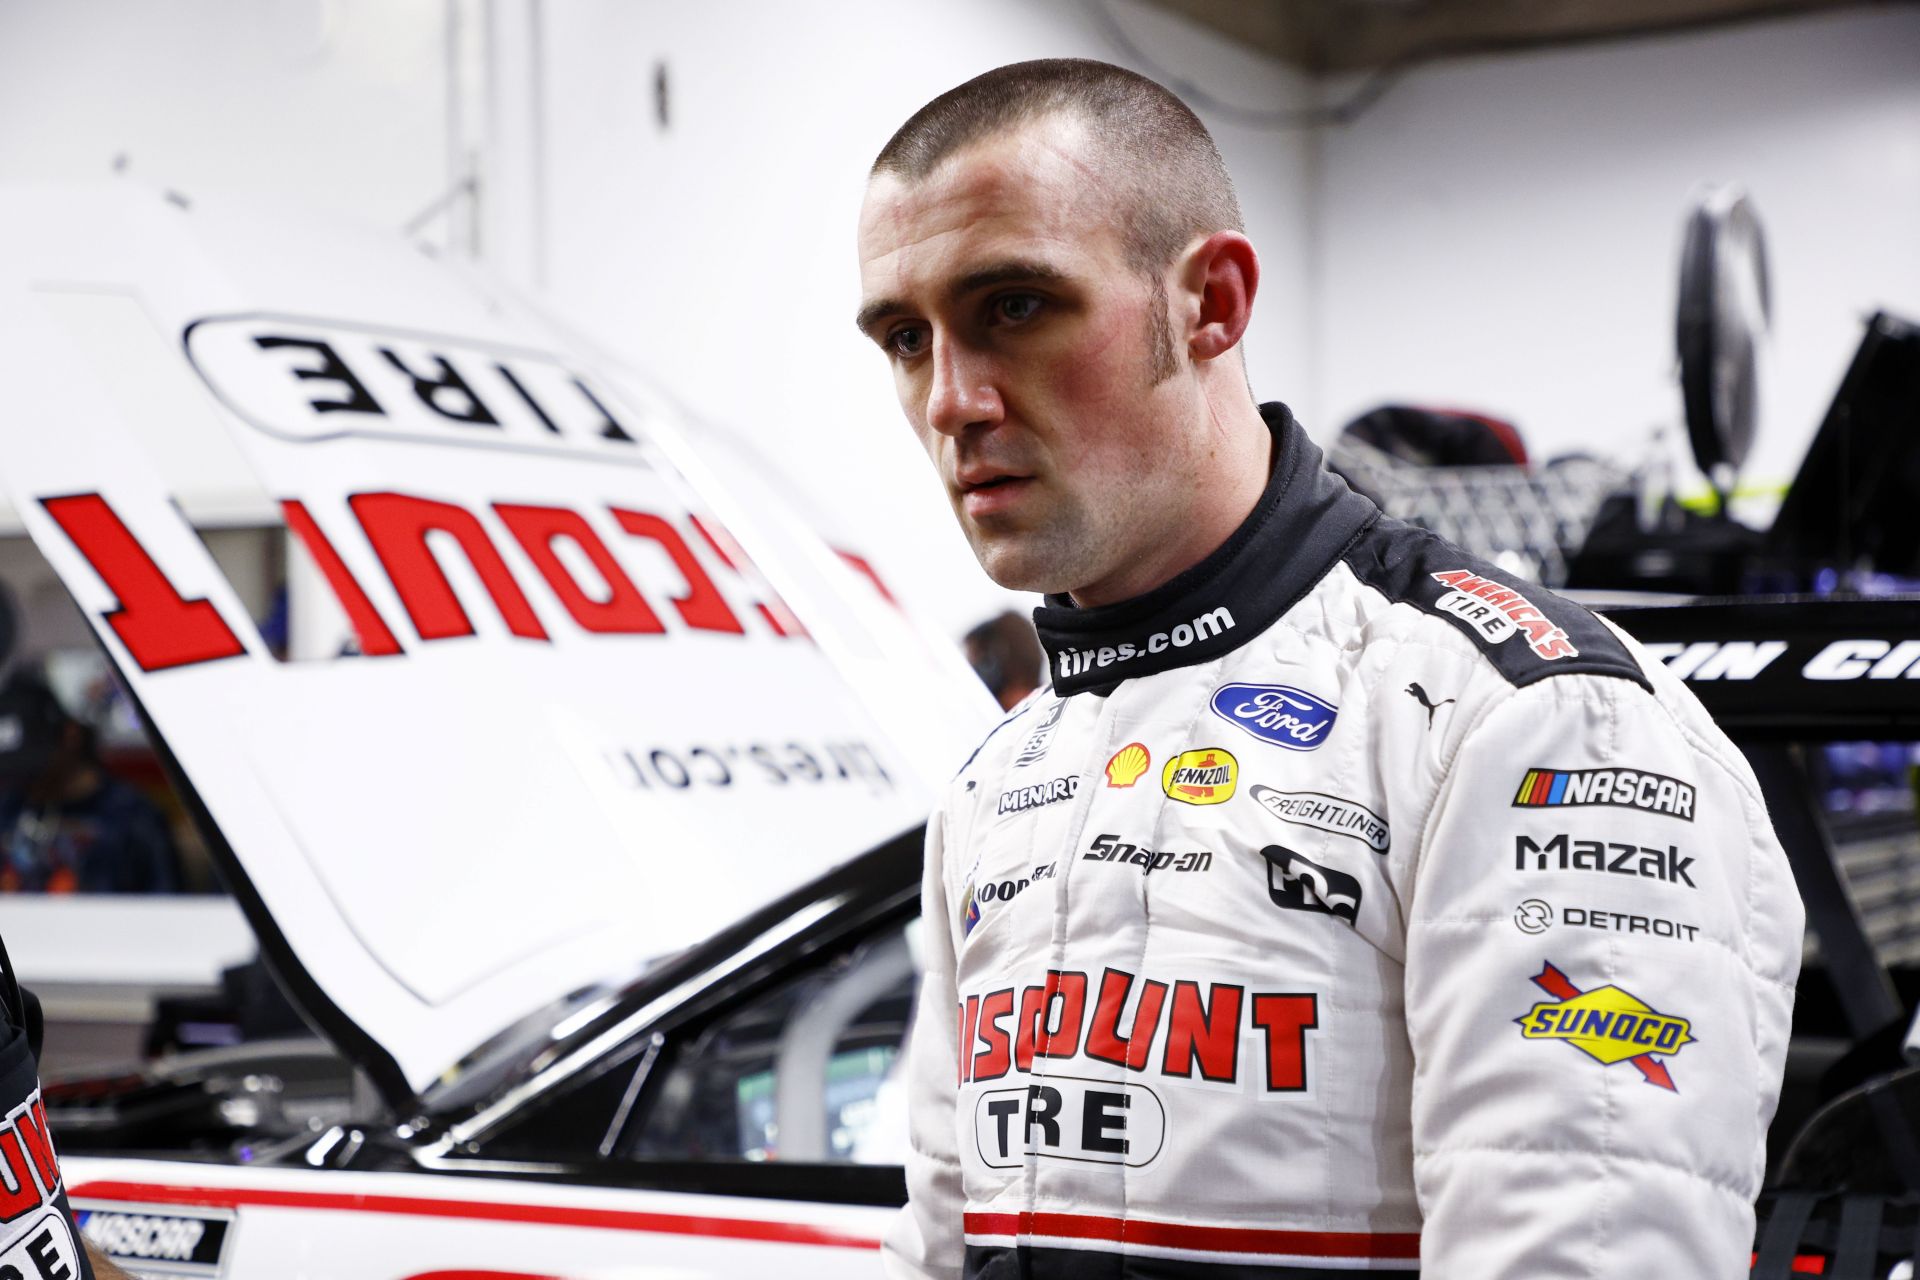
x=1304, y=521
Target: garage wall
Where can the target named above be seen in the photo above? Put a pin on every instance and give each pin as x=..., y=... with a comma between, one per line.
x=339, y=105
x=1505, y=233
x=718, y=250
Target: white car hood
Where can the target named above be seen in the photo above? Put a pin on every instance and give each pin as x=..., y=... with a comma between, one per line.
x=611, y=697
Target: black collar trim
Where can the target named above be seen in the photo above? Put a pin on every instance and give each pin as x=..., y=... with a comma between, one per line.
x=1303, y=523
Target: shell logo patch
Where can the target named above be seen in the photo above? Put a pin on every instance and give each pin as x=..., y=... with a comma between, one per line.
x=1607, y=1024
x=1127, y=764
x=1206, y=776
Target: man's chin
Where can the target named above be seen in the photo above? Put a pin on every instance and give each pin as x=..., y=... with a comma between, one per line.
x=1021, y=568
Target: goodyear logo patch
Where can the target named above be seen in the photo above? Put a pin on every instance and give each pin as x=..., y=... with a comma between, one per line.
x=1624, y=788
x=1206, y=776
x=1608, y=1024
x=1127, y=764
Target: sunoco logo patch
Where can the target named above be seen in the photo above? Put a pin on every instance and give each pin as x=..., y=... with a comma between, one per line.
x=1607, y=1024
x=1206, y=776
x=1276, y=713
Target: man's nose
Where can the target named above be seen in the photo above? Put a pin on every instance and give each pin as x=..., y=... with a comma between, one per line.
x=962, y=393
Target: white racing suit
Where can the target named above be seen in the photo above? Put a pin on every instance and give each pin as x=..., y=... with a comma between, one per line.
x=1346, y=905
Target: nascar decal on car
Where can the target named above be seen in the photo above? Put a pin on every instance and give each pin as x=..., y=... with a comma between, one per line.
x=1317, y=809
x=1021, y=799
x=1126, y=765
x=1608, y=1024
x=1205, y=776
x=1300, y=884
x=1622, y=788
x=178, y=1241
x=1496, y=612
x=1535, y=916
x=1561, y=853
x=1041, y=738
x=1276, y=713
x=1111, y=848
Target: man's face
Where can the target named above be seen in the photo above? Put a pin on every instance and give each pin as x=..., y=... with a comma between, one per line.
x=1030, y=357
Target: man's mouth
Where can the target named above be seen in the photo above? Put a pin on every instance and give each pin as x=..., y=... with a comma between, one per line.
x=991, y=492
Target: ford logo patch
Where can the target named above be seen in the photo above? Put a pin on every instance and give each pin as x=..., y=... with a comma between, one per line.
x=1276, y=713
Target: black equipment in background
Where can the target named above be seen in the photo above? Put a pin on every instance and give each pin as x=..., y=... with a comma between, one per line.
x=1856, y=500
x=1724, y=310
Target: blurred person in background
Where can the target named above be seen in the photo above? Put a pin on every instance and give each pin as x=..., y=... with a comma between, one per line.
x=1241, y=953
x=67, y=825
x=1004, y=652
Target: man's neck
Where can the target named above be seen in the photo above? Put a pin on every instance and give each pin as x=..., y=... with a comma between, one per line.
x=1239, y=458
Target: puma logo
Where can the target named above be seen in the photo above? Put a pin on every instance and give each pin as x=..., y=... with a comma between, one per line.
x=1420, y=696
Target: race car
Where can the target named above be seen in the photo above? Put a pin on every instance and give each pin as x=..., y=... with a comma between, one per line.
x=571, y=725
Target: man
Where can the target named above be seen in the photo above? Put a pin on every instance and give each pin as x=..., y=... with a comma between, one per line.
x=1005, y=654
x=68, y=825
x=1345, y=904
x=38, y=1239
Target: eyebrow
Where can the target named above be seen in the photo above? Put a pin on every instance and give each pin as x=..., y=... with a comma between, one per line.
x=1012, y=271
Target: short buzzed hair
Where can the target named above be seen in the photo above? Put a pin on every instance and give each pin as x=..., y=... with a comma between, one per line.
x=1174, y=182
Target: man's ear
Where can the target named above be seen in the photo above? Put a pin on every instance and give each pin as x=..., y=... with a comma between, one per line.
x=1222, y=273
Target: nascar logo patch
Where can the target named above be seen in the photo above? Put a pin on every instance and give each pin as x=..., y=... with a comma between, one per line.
x=1623, y=788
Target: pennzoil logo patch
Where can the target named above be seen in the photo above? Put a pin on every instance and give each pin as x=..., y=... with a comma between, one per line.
x=1608, y=1024
x=1206, y=776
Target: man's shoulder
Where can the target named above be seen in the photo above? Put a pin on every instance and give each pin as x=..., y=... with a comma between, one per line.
x=1526, y=632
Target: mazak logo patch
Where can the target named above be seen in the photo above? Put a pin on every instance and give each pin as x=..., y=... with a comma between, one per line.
x=1276, y=713
x=1206, y=776
x=1323, y=812
x=1127, y=764
x=1497, y=612
x=1608, y=1024
x=1618, y=858
x=1622, y=788
x=1021, y=799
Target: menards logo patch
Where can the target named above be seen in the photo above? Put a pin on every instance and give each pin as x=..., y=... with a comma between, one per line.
x=1608, y=1024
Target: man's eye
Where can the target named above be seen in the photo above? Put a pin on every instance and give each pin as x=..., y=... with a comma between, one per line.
x=1015, y=307
x=906, y=342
